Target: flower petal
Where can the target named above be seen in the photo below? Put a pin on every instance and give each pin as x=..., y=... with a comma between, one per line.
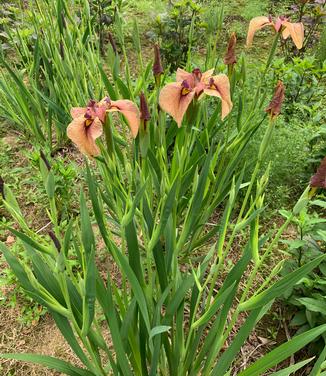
x=130, y=111
x=84, y=137
x=296, y=31
x=182, y=75
x=222, y=90
x=175, y=104
x=77, y=111
x=256, y=24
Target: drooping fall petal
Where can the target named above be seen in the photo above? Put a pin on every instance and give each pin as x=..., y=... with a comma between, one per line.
x=274, y=108
x=296, y=31
x=173, y=102
x=84, y=136
x=219, y=86
x=319, y=179
x=256, y=24
x=130, y=111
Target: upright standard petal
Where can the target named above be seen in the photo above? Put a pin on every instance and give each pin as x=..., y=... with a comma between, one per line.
x=256, y=24
x=219, y=86
x=296, y=31
x=84, y=136
x=173, y=101
x=77, y=111
x=130, y=111
x=182, y=75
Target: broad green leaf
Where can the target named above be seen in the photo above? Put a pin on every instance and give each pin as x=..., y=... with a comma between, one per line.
x=278, y=288
x=50, y=362
x=292, y=369
x=284, y=351
x=158, y=330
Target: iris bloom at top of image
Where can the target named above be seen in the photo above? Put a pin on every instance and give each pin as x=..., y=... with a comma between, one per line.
x=281, y=24
x=176, y=97
x=87, y=123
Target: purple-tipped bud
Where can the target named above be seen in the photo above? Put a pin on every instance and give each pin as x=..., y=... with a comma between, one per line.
x=144, y=110
x=48, y=166
x=55, y=240
x=319, y=179
x=112, y=42
x=2, y=188
x=157, y=66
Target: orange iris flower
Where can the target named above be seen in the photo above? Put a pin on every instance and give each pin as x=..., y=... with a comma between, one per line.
x=87, y=123
x=176, y=97
x=282, y=24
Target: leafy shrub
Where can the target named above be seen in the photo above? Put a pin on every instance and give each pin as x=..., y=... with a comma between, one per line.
x=307, y=298
x=178, y=31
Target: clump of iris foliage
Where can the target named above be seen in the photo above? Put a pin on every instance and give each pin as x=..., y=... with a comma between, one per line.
x=163, y=155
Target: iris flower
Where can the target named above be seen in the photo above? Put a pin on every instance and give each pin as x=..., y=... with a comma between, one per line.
x=87, y=123
x=282, y=24
x=176, y=97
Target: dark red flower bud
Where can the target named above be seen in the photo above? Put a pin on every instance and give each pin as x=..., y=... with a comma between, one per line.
x=157, y=66
x=274, y=108
x=319, y=179
x=230, y=58
x=55, y=240
x=2, y=188
x=112, y=42
x=144, y=110
x=48, y=166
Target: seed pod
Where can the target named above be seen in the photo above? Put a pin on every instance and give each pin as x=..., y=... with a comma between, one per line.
x=274, y=108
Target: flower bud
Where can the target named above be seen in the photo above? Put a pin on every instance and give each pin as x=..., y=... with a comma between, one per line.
x=319, y=179
x=144, y=110
x=48, y=166
x=230, y=58
x=112, y=42
x=2, y=188
x=55, y=240
x=274, y=108
x=157, y=66
x=62, y=50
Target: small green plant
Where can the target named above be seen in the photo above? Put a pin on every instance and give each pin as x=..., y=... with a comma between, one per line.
x=307, y=298
x=178, y=31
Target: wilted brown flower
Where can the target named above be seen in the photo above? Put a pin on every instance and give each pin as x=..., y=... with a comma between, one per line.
x=230, y=58
x=274, y=108
x=319, y=179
